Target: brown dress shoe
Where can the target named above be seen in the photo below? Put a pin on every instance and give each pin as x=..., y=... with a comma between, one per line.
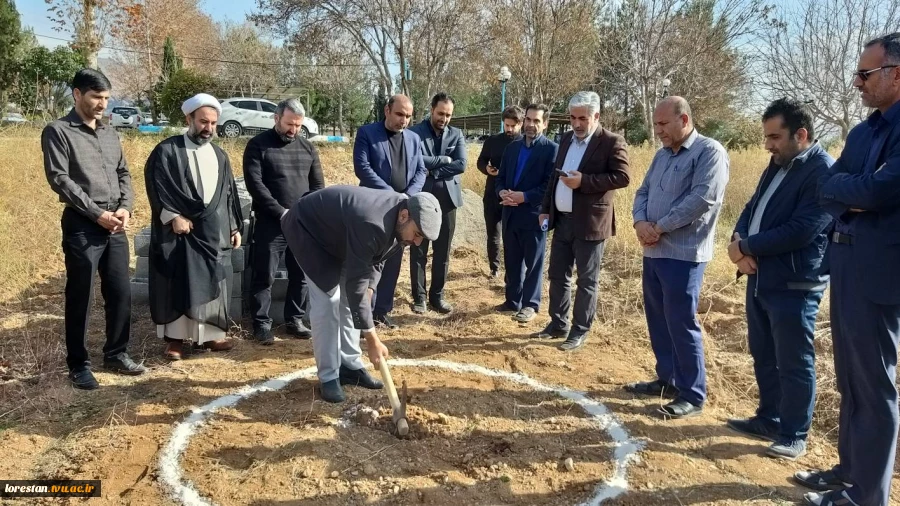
x=221, y=345
x=173, y=351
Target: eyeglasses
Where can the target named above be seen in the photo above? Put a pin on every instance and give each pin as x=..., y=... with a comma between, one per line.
x=863, y=75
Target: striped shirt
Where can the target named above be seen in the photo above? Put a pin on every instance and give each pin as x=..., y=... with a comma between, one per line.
x=682, y=193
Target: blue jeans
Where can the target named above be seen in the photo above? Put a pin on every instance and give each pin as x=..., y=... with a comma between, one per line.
x=781, y=326
x=671, y=297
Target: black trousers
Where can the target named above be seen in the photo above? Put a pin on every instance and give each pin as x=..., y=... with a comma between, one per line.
x=88, y=249
x=493, y=219
x=568, y=251
x=440, y=262
x=269, y=245
x=865, y=335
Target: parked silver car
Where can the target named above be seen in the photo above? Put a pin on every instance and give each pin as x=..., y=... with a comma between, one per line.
x=245, y=116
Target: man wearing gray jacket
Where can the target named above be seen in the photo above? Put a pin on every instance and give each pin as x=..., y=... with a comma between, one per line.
x=444, y=154
x=345, y=234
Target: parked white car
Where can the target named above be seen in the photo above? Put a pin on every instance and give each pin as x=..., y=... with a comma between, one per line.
x=125, y=117
x=245, y=116
x=13, y=118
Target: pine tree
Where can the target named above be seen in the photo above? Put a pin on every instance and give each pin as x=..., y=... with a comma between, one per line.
x=10, y=37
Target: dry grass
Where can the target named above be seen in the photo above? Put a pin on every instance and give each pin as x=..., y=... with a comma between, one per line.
x=32, y=269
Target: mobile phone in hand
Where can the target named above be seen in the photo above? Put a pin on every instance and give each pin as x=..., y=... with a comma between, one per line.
x=563, y=173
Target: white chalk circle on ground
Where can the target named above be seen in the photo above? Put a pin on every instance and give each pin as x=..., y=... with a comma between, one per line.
x=183, y=491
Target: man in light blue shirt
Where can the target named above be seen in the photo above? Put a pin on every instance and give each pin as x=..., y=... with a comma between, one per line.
x=675, y=212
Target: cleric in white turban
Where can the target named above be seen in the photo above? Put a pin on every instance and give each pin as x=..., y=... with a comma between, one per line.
x=195, y=222
x=200, y=100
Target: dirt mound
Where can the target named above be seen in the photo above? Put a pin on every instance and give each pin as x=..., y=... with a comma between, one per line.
x=473, y=440
x=470, y=232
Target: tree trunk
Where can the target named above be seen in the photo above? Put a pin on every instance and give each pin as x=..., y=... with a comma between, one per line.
x=341, y=113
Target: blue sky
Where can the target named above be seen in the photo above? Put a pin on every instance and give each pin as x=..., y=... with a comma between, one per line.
x=34, y=14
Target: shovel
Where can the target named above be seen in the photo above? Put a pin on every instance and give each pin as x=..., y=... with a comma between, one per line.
x=398, y=405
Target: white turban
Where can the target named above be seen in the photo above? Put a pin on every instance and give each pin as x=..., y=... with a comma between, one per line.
x=200, y=100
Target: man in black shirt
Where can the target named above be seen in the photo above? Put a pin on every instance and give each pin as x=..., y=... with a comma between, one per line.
x=84, y=164
x=279, y=168
x=489, y=165
x=444, y=153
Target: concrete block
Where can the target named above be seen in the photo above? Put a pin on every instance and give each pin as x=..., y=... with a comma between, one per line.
x=276, y=311
x=239, y=259
x=142, y=243
x=236, y=308
x=140, y=291
x=237, y=286
x=279, y=289
x=142, y=268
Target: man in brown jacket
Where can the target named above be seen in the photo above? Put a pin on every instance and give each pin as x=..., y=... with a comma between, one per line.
x=578, y=205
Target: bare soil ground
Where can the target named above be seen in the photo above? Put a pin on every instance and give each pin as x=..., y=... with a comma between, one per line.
x=496, y=443
x=475, y=440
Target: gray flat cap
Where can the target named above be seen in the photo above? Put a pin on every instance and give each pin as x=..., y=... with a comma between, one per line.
x=426, y=213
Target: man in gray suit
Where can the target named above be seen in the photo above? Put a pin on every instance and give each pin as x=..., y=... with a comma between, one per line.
x=444, y=153
x=345, y=234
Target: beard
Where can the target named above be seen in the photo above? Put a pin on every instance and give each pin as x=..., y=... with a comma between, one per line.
x=198, y=139
x=398, y=234
x=284, y=137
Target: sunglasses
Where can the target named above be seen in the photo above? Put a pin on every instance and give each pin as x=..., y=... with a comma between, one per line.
x=863, y=75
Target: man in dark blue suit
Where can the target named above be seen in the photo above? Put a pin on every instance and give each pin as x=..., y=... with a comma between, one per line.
x=520, y=185
x=862, y=191
x=444, y=152
x=779, y=241
x=386, y=156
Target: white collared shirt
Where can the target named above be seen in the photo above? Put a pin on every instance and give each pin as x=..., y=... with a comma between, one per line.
x=577, y=148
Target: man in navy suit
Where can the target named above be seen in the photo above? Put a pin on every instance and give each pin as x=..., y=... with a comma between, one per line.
x=444, y=152
x=386, y=156
x=520, y=185
x=862, y=191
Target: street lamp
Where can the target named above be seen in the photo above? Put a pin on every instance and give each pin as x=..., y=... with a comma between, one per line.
x=666, y=83
x=504, y=76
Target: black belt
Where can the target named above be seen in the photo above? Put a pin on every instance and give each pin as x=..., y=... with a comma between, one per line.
x=106, y=206
x=562, y=214
x=840, y=238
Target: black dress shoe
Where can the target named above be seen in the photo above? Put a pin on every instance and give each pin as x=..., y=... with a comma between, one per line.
x=505, y=308
x=550, y=332
x=264, y=336
x=123, y=364
x=680, y=408
x=441, y=306
x=754, y=427
x=573, y=342
x=331, y=391
x=359, y=377
x=419, y=307
x=84, y=380
x=298, y=329
x=385, y=320
x=654, y=388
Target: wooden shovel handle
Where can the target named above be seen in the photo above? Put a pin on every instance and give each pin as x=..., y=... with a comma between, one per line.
x=389, y=383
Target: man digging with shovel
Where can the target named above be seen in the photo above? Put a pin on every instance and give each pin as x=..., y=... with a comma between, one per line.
x=341, y=236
